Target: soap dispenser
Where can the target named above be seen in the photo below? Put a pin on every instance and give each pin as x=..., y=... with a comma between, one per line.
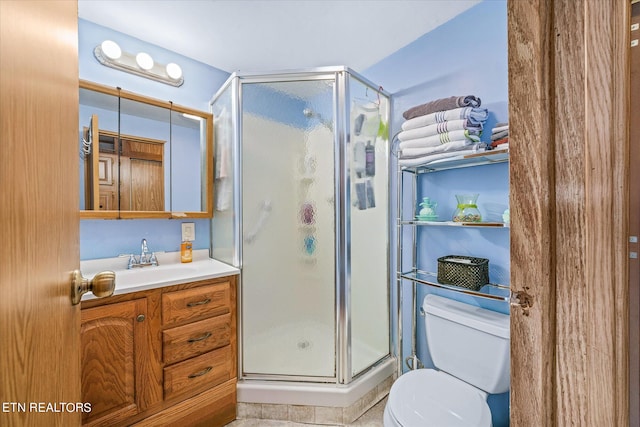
x=186, y=252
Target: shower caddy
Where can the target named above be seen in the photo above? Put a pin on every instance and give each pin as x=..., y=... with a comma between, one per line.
x=492, y=291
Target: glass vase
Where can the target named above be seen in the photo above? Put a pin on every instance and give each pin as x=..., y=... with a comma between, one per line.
x=467, y=210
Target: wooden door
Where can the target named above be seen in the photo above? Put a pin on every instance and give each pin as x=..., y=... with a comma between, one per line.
x=39, y=220
x=634, y=220
x=568, y=105
x=114, y=355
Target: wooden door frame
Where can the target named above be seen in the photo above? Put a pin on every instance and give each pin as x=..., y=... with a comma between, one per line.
x=568, y=113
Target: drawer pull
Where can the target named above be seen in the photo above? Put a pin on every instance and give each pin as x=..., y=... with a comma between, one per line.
x=200, y=338
x=203, y=302
x=201, y=373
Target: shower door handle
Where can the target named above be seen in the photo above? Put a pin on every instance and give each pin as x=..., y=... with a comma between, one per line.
x=265, y=211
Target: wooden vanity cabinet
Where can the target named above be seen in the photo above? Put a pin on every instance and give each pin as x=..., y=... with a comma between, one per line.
x=162, y=356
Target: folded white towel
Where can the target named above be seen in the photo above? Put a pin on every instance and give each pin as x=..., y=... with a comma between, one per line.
x=439, y=139
x=436, y=128
x=499, y=129
x=442, y=148
x=474, y=115
x=425, y=160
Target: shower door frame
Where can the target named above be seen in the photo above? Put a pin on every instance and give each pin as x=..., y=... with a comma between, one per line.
x=342, y=182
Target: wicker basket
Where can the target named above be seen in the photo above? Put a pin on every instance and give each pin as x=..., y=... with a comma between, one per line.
x=467, y=272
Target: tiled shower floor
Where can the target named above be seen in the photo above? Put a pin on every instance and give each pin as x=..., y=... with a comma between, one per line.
x=371, y=418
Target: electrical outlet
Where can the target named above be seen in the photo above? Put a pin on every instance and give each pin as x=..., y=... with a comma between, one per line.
x=188, y=231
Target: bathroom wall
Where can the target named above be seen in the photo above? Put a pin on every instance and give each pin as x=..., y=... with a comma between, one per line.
x=108, y=238
x=467, y=55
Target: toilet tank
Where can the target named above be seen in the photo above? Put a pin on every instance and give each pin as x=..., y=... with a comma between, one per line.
x=468, y=342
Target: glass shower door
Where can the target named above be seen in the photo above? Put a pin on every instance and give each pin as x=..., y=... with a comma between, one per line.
x=288, y=235
x=369, y=178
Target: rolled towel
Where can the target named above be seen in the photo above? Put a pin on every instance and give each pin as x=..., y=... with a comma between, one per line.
x=497, y=128
x=473, y=115
x=499, y=135
x=442, y=104
x=436, y=128
x=425, y=160
x=458, y=145
x=439, y=139
x=500, y=141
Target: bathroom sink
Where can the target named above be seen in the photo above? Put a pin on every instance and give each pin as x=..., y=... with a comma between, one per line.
x=160, y=274
x=150, y=277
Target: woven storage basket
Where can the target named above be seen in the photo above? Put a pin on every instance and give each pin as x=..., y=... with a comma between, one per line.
x=467, y=272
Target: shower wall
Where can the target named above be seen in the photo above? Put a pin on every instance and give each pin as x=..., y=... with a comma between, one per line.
x=309, y=212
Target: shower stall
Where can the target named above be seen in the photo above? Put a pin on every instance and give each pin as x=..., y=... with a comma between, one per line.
x=301, y=207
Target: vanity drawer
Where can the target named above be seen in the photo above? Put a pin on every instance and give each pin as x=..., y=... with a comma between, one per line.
x=195, y=338
x=194, y=375
x=190, y=304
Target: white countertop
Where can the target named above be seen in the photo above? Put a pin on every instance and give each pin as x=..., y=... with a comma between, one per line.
x=170, y=271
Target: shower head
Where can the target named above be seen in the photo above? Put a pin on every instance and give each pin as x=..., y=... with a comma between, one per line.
x=309, y=113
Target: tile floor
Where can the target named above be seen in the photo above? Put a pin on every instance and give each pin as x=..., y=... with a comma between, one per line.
x=371, y=418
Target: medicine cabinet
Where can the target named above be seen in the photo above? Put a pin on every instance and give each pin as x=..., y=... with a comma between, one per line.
x=143, y=158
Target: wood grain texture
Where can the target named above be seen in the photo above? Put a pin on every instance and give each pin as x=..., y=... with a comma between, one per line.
x=197, y=303
x=634, y=225
x=215, y=407
x=187, y=378
x=569, y=119
x=196, y=338
x=532, y=201
x=108, y=348
x=568, y=68
x=39, y=329
x=619, y=18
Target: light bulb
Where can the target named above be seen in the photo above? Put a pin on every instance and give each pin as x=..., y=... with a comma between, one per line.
x=111, y=49
x=144, y=60
x=174, y=71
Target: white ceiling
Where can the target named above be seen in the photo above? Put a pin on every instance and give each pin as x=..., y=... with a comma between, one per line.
x=261, y=35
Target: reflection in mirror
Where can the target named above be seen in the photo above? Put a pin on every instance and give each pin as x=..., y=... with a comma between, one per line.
x=187, y=164
x=97, y=111
x=143, y=158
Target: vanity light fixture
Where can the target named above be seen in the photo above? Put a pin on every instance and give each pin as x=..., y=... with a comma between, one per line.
x=108, y=53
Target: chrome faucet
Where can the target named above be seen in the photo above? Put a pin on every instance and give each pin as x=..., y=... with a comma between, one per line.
x=144, y=252
x=146, y=257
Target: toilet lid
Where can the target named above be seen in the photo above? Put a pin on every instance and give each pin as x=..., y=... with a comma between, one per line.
x=426, y=397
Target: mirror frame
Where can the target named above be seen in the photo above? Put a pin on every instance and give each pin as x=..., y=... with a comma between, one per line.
x=209, y=153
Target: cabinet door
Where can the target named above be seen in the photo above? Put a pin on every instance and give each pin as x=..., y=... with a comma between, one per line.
x=114, y=350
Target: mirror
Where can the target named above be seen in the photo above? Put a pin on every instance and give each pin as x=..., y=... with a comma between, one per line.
x=143, y=158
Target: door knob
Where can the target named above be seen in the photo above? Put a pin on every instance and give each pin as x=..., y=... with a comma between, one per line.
x=102, y=285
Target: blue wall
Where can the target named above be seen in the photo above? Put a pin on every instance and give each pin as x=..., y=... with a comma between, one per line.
x=108, y=238
x=465, y=56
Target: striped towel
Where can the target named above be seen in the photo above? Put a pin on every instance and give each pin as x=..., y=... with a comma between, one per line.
x=439, y=139
x=442, y=104
x=473, y=115
x=443, y=127
x=424, y=160
x=457, y=145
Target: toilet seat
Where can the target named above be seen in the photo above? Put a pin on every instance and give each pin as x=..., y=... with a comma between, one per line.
x=426, y=397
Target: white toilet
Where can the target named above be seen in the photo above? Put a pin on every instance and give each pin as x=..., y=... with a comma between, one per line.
x=469, y=347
